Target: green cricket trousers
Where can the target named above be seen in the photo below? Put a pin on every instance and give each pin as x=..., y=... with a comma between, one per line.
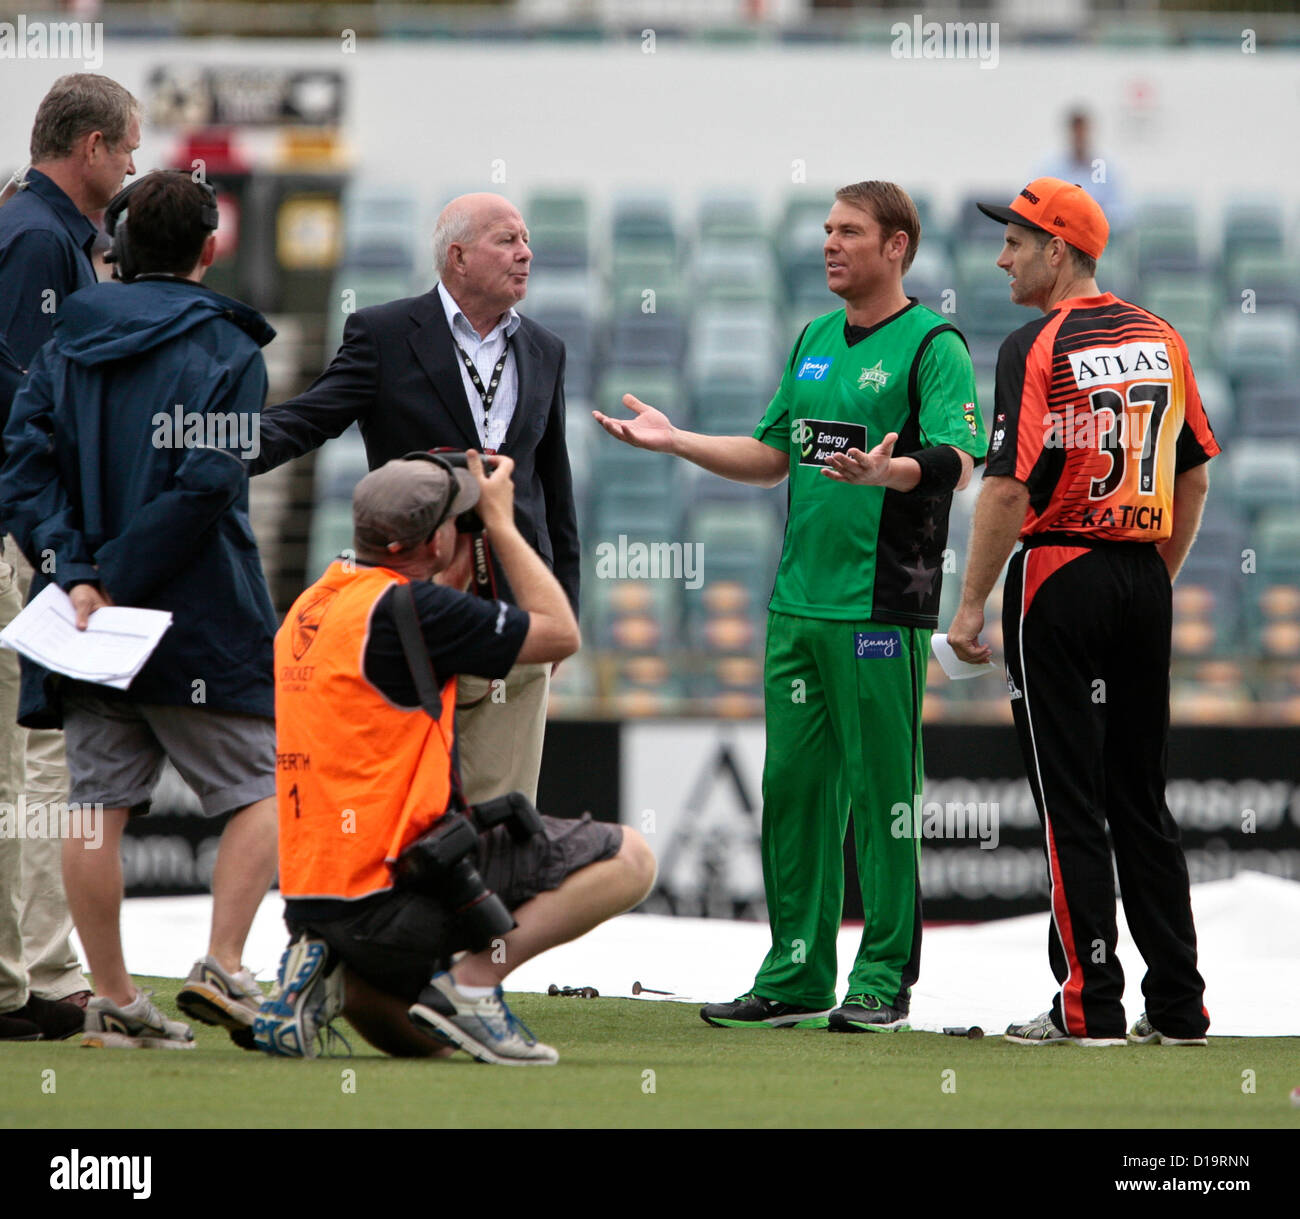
x=843, y=702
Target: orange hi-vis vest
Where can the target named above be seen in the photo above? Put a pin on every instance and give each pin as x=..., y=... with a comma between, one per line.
x=357, y=778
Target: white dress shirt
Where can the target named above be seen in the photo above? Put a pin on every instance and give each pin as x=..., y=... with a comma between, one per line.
x=485, y=352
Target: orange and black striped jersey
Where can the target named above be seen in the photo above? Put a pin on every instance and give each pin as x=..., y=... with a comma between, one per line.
x=1096, y=411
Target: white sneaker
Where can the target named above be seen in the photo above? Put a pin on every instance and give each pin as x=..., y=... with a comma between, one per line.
x=484, y=1028
x=231, y=1001
x=1143, y=1033
x=294, y=1020
x=137, y=1026
x=1042, y=1030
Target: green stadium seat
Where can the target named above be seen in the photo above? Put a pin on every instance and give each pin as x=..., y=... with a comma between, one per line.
x=1260, y=346
x=340, y=464
x=1253, y=228
x=1264, y=473
x=331, y=533
x=1272, y=279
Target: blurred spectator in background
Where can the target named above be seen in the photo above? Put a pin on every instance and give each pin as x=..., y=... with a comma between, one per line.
x=1081, y=163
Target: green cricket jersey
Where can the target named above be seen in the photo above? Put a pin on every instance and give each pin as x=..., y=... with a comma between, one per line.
x=865, y=552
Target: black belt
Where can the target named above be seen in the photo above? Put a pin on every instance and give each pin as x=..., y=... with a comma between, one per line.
x=1054, y=538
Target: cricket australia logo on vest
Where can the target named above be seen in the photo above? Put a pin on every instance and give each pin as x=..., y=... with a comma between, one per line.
x=875, y=377
x=816, y=439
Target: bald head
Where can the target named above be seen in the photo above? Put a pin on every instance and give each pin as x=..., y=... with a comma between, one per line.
x=481, y=254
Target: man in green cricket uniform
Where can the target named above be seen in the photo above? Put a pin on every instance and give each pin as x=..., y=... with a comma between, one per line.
x=855, y=600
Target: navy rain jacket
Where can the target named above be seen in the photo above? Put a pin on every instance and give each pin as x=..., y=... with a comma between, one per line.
x=125, y=465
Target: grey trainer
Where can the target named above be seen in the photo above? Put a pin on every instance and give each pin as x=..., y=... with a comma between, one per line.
x=484, y=1028
x=137, y=1026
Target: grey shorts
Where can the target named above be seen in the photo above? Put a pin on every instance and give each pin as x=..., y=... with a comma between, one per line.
x=116, y=749
x=397, y=939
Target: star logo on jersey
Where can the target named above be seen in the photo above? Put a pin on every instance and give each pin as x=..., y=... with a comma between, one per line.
x=874, y=377
x=922, y=579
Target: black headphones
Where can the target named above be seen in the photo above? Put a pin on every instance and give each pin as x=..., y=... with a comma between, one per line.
x=115, y=223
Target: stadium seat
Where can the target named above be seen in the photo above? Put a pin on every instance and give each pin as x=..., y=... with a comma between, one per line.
x=1264, y=473
x=644, y=222
x=558, y=228
x=381, y=229
x=1268, y=409
x=731, y=270
x=1252, y=228
x=1259, y=346
x=720, y=335
x=727, y=214
x=359, y=288
x=560, y=290
x=639, y=339
x=1269, y=279
x=340, y=465
x=331, y=534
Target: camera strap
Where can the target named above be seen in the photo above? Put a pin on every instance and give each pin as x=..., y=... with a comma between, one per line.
x=420, y=664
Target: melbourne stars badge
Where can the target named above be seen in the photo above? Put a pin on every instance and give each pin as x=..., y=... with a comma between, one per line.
x=874, y=376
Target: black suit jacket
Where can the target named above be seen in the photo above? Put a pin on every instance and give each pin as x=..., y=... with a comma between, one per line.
x=398, y=375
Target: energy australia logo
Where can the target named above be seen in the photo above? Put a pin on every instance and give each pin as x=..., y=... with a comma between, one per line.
x=877, y=645
x=814, y=368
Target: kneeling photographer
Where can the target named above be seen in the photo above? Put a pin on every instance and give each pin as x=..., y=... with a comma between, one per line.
x=387, y=875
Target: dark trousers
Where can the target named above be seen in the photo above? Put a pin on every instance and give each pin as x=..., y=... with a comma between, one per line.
x=1087, y=637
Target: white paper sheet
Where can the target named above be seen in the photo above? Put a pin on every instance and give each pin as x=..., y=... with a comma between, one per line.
x=111, y=650
x=956, y=668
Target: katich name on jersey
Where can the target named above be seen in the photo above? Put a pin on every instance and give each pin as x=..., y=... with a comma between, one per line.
x=1117, y=365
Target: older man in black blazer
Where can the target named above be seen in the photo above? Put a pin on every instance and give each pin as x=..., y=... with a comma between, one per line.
x=459, y=368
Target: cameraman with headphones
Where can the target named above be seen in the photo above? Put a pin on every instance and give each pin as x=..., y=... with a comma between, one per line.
x=125, y=483
x=406, y=907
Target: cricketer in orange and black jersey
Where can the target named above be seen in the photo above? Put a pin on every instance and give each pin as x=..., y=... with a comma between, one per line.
x=1096, y=412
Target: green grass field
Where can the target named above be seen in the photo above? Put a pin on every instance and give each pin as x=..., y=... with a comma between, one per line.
x=701, y=1077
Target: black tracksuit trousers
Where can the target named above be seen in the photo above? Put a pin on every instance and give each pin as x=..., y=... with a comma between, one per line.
x=1087, y=637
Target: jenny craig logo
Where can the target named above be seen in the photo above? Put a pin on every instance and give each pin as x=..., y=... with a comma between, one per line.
x=234, y=431
x=945, y=40
x=814, y=368
x=83, y=40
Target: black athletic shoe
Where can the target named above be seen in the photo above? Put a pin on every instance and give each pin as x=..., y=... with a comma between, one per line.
x=867, y=1014
x=753, y=1011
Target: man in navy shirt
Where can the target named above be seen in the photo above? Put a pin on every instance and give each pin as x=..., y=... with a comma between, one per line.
x=85, y=133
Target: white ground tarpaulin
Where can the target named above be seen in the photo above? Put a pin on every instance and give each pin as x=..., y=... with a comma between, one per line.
x=987, y=974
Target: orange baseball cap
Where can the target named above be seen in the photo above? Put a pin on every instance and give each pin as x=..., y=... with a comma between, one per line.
x=1059, y=208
